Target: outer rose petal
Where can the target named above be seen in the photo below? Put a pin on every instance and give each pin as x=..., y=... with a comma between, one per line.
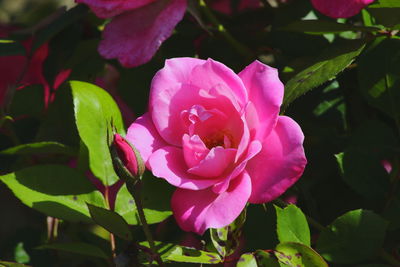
x=168, y=163
x=133, y=37
x=279, y=164
x=144, y=137
x=340, y=8
x=265, y=94
x=196, y=211
x=111, y=8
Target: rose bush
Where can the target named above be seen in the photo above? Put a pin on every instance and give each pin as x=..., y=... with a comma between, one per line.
x=137, y=28
x=218, y=137
x=340, y=8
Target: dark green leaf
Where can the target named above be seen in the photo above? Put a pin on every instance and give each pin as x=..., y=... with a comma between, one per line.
x=55, y=190
x=353, y=237
x=77, y=248
x=292, y=225
x=379, y=76
x=39, y=148
x=385, y=3
x=156, y=195
x=324, y=26
x=11, y=264
x=298, y=255
x=95, y=111
x=59, y=24
x=331, y=62
x=111, y=221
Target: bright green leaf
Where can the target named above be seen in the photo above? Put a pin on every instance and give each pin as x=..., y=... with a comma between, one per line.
x=12, y=264
x=111, y=221
x=332, y=61
x=247, y=260
x=55, y=190
x=190, y=255
x=77, y=248
x=95, y=111
x=20, y=255
x=298, y=255
x=353, y=237
x=292, y=225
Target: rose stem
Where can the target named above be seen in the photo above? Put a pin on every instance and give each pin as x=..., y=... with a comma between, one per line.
x=134, y=187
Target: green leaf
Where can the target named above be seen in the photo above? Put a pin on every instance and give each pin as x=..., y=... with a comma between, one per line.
x=11, y=48
x=156, y=195
x=379, y=76
x=227, y=239
x=12, y=264
x=95, y=111
x=58, y=24
x=385, y=3
x=190, y=255
x=55, y=190
x=111, y=221
x=39, y=148
x=298, y=255
x=77, y=248
x=332, y=61
x=292, y=225
x=353, y=237
x=324, y=27
x=361, y=162
x=20, y=255
x=247, y=260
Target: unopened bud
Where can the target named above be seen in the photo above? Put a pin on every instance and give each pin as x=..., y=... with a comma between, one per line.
x=127, y=161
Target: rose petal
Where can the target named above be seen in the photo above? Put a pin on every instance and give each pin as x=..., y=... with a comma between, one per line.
x=134, y=36
x=195, y=211
x=265, y=94
x=340, y=8
x=194, y=150
x=168, y=163
x=215, y=163
x=108, y=9
x=144, y=137
x=279, y=164
x=173, y=91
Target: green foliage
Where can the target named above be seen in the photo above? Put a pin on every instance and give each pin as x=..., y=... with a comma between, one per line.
x=111, y=221
x=353, y=237
x=295, y=254
x=77, y=248
x=292, y=225
x=11, y=48
x=331, y=62
x=39, y=148
x=95, y=113
x=55, y=190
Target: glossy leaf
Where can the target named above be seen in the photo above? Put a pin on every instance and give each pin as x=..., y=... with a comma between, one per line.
x=247, y=260
x=292, y=225
x=77, y=248
x=111, y=221
x=298, y=255
x=95, y=111
x=353, y=237
x=55, y=190
x=330, y=63
x=190, y=255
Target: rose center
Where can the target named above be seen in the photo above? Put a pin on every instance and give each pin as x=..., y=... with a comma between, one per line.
x=222, y=139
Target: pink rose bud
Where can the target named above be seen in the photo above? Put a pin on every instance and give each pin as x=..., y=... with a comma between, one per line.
x=127, y=160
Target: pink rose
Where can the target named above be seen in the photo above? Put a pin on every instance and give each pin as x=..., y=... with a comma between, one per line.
x=137, y=28
x=340, y=8
x=218, y=137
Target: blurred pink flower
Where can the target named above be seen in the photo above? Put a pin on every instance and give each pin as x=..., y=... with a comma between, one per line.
x=218, y=137
x=340, y=8
x=137, y=28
